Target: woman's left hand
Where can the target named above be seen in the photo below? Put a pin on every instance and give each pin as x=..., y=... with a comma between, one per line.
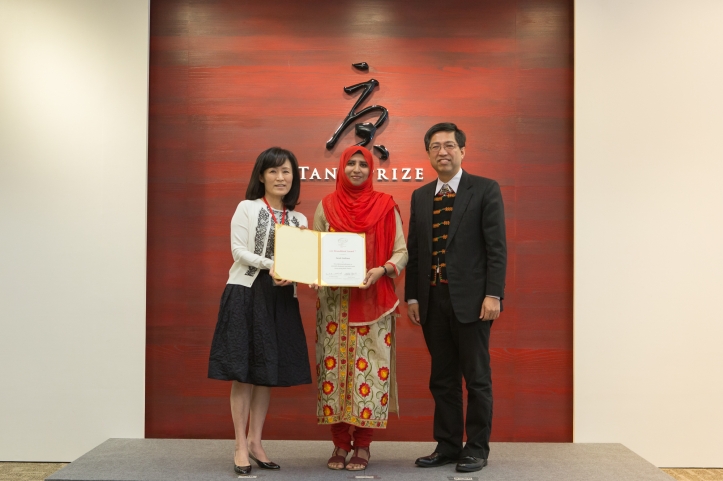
x=278, y=282
x=373, y=275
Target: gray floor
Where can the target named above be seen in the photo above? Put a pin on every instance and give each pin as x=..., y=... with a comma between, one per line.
x=210, y=460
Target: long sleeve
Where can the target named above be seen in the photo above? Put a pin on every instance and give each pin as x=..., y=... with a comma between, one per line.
x=410, y=285
x=493, y=230
x=240, y=225
x=399, y=255
x=320, y=223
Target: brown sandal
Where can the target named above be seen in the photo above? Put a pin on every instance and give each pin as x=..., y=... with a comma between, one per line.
x=337, y=459
x=359, y=461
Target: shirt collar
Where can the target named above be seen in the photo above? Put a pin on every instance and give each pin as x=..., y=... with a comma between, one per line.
x=453, y=182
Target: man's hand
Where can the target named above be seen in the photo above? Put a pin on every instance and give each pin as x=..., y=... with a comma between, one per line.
x=413, y=313
x=490, y=309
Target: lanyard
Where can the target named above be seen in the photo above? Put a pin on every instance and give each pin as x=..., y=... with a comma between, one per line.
x=271, y=211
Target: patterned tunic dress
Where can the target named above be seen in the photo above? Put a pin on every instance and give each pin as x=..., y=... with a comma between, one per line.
x=355, y=365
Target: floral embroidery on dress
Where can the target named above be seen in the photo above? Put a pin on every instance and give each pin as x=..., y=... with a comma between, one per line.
x=364, y=390
x=330, y=362
x=327, y=387
x=362, y=364
x=353, y=370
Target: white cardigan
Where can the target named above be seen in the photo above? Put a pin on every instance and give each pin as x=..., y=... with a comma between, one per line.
x=250, y=228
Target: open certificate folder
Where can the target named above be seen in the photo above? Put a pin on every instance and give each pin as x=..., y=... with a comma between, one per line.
x=323, y=258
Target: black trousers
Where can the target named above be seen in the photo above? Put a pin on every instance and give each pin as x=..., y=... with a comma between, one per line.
x=458, y=350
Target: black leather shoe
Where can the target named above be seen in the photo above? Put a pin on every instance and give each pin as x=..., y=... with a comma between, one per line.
x=242, y=469
x=433, y=460
x=264, y=465
x=468, y=464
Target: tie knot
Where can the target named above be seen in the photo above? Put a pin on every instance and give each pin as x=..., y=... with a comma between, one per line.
x=445, y=189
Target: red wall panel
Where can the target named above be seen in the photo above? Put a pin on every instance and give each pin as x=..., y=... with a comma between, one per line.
x=231, y=78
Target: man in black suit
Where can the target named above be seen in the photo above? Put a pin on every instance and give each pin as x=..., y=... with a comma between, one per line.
x=454, y=286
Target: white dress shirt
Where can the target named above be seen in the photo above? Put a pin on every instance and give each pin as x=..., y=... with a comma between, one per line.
x=453, y=182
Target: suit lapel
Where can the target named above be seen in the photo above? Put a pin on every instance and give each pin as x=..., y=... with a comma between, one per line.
x=461, y=201
x=427, y=202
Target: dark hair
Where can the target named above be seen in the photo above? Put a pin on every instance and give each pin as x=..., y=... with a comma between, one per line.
x=275, y=157
x=445, y=127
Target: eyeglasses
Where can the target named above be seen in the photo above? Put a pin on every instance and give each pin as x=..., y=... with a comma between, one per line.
x=449, y=146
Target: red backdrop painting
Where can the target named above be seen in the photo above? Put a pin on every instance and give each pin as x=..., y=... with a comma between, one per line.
x=229, y=79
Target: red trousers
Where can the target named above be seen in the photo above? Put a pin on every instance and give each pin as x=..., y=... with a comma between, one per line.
x=342, y=437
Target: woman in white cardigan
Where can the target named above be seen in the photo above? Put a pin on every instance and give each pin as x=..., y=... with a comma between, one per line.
x=259, y=340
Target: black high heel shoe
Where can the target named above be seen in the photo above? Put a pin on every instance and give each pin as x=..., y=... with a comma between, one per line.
x=242, y=469
x=263, y=465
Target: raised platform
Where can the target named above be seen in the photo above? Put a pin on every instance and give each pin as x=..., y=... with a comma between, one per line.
x=211, y=460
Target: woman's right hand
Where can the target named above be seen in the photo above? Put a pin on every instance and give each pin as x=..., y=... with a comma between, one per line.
x=373, y=275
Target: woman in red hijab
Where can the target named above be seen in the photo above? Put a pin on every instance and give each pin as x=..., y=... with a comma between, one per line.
x=355, y=356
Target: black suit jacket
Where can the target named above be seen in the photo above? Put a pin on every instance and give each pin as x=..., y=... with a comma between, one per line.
x=476, y=253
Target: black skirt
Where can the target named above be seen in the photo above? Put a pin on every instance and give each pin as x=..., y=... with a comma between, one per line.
x=259, y=337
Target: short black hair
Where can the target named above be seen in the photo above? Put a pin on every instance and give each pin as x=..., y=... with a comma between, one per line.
x=445, y=127
x=275, y=157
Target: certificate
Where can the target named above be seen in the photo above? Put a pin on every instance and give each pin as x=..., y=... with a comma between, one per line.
x=323, y=258
x=343, y=259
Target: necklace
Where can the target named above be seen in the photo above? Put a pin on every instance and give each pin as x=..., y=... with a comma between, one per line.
x=271, y=211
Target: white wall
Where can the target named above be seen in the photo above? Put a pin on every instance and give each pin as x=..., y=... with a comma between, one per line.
x=73, y=123
x=649, y=228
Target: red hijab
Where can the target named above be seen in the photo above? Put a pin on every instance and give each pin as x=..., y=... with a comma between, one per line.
x=360, y=208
